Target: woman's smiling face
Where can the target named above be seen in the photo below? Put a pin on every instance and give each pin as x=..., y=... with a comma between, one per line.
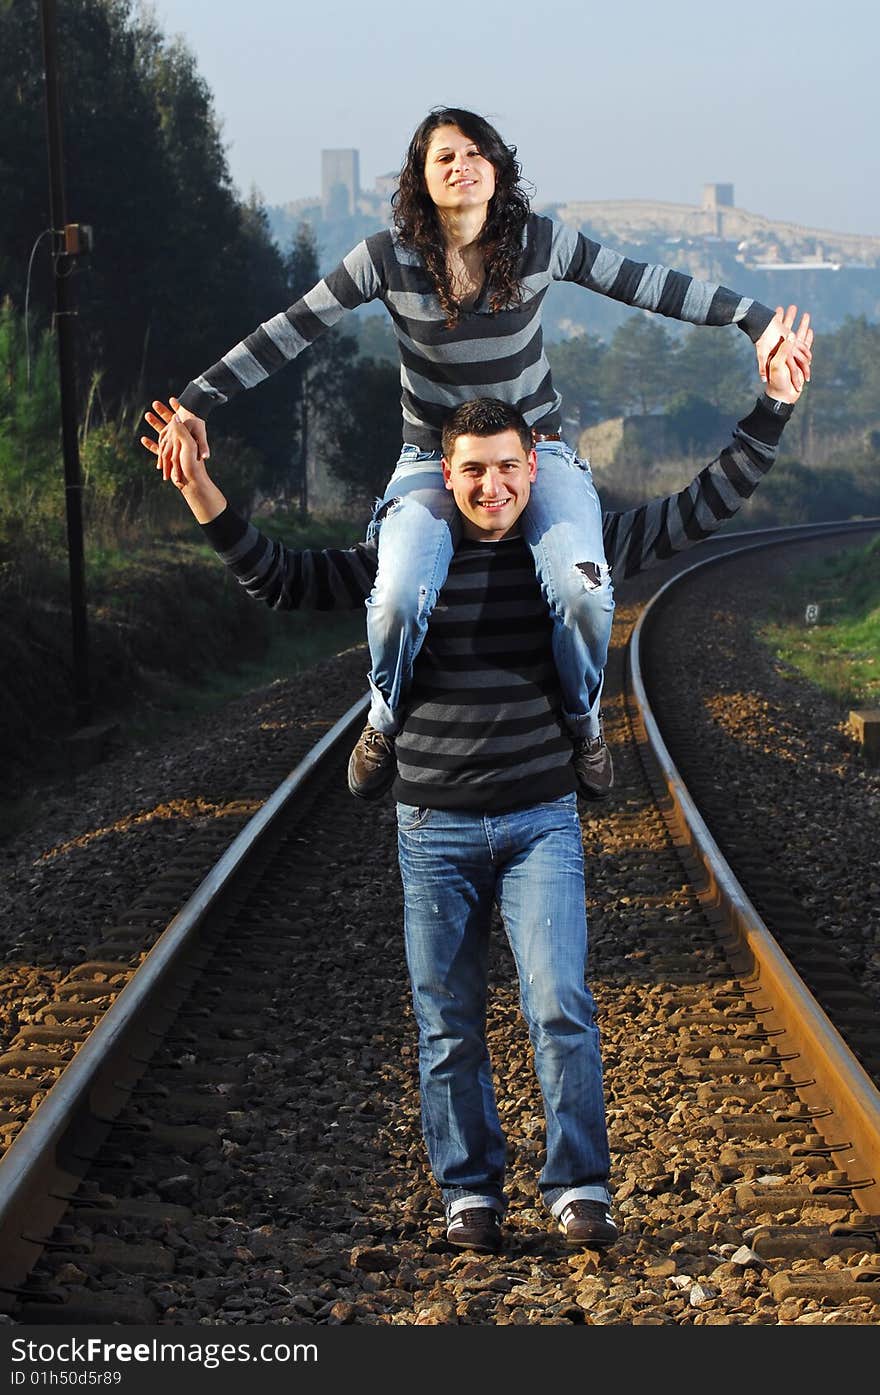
x=457, y=176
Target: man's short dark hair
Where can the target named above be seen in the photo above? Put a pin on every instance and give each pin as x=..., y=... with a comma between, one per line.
x=484, y=416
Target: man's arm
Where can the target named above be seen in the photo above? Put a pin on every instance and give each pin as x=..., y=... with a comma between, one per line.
x=330, y=578
x=637, y=538
x=285, y=579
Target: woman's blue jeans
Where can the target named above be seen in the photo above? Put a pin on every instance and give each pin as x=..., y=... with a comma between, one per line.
x=418, y=528
x=454, y=865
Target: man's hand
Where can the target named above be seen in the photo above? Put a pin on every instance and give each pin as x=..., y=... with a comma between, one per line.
x=188, y=471
x=174, y=437
x=779, y=331
x=170, y=442
x=788, y=366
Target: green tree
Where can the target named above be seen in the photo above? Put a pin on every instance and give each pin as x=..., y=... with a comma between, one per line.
x=376, y=338
x=846, y=391
x=638, y=369
x=321, y=378
x=576, y=366
x=31, y=477
x=265, y=419
x=717, y=365
x=112, y=168
x=181, y=268
x=695, y=424
x=364, y=439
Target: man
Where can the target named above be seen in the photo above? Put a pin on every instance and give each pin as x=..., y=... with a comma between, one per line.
x=486, y=792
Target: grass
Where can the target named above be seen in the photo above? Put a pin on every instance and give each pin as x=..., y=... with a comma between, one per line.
x=171, y=637
x=827, y=625
x=314, y=532
x=301, y=640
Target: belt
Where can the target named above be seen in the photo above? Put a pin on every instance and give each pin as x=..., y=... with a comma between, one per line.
x=545, y=436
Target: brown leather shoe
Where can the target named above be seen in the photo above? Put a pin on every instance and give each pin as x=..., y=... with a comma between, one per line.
x=588, y=1223
x=476, y=1228
x=593, y=766
x=371, y=765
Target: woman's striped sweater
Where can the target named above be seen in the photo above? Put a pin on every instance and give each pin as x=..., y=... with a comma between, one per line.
x=486, y=354
x=482, y=727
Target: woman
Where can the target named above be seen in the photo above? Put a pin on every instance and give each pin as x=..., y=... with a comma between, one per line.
x=463, y=275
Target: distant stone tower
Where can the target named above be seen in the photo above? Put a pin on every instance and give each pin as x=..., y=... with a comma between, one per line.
x=386, y=184
x=340, y=182
x=716, y=197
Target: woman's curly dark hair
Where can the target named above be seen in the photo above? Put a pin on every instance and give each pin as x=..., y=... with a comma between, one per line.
x=418, y=226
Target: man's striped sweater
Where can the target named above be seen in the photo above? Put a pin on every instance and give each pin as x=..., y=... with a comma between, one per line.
x=487, y=354
x=482, y=727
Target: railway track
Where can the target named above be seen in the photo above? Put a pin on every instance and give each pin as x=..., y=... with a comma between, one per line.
x=842, y=982
x=240, y=1095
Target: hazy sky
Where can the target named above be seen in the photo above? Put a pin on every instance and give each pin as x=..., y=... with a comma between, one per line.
x=639, y=100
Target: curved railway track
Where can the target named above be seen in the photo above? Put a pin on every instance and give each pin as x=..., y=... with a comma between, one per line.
x=848, y=991
x=240, y=1093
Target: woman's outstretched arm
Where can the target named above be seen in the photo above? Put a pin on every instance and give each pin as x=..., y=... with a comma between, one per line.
x=661, y=289
x=271, y=345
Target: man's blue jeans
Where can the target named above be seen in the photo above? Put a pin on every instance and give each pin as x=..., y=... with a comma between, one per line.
x=417, y=525
x=454, y=864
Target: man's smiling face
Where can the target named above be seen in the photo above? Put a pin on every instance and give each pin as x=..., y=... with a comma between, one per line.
x=490, y=478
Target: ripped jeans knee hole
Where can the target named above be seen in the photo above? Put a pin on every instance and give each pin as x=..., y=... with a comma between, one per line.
x=380, y=512
x=594, y=574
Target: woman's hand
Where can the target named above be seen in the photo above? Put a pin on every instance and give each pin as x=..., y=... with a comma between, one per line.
x=788, y=365
x=170, y=442
x=187, y=471
x=779, y=331
x=173, y=438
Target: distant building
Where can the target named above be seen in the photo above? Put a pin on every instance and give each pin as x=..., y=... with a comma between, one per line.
x=340, y=182
x=811, y=265
x=717, y=197
x=619, y=441
x=386, y=184
x=376, y=202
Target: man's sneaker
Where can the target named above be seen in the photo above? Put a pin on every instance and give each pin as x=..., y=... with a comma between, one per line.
x=371, y=765
x=476, y=1228
x=593, y=766
x=588, y=1223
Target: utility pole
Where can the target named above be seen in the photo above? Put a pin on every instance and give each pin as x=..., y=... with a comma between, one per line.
x=304, y=448
x=68, y=242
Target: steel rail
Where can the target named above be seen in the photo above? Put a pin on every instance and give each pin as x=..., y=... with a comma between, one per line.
x=41, y=1169
x=843, y=1100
